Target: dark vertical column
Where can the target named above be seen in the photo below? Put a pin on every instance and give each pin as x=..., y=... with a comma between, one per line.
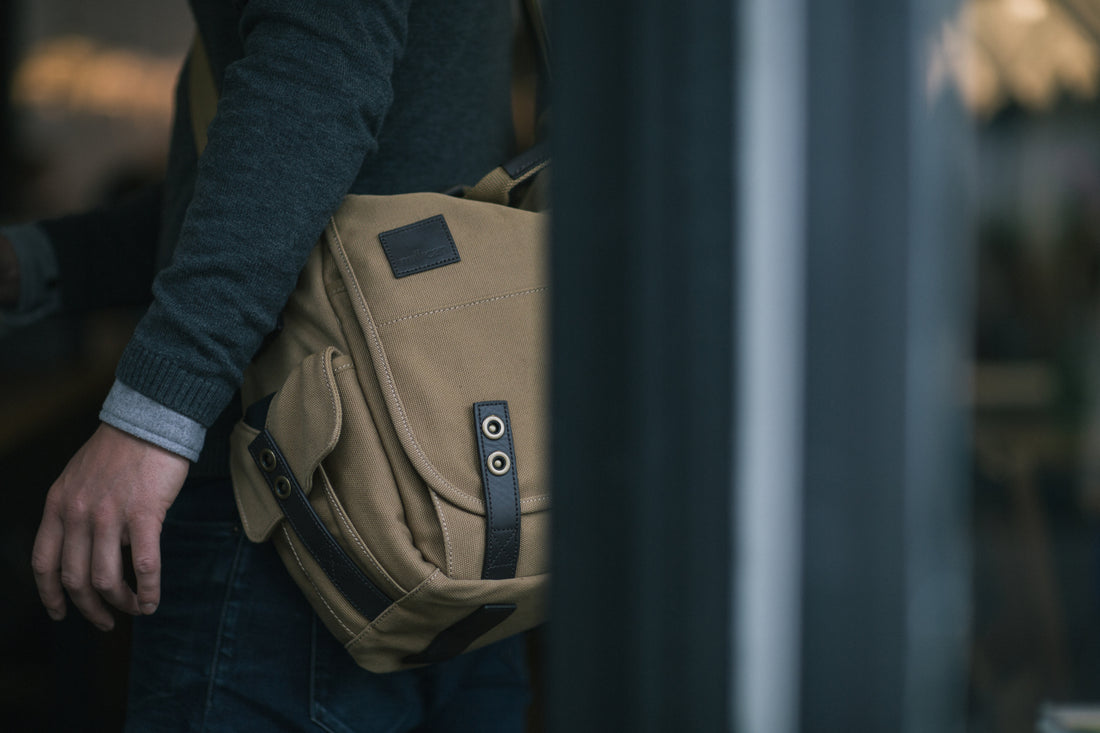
x=642, y=370
x=8, y=25
x=884, y=570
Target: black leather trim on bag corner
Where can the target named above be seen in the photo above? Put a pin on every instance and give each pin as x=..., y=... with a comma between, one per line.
x=454, y=639
x=418, y=247
x=498, y=476
x=340, y=568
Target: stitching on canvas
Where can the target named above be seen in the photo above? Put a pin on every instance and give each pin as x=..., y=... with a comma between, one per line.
x=342, y=516
x=463, y=305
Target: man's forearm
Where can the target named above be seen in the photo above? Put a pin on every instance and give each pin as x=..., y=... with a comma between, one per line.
x=9, y=274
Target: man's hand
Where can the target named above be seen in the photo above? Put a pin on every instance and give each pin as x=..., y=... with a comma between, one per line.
x=115, y=492
x=9, y=274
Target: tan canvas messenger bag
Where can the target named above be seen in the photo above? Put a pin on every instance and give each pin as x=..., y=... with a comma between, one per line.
x=395, y=445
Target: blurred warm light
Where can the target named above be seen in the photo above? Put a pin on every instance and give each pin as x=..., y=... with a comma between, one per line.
x=1030, y=52
x=76, y=75
x=1029, y=11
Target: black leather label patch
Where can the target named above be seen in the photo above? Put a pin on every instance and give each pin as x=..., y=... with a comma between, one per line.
x=424, y=245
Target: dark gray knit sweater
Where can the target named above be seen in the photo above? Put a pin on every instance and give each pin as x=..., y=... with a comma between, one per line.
x=318, y=99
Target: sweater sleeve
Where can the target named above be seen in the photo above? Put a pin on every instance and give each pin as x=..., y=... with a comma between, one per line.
x=298, y=114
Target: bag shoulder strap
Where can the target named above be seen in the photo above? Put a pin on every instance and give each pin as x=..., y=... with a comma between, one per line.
x=501, y=184
x=536, y=22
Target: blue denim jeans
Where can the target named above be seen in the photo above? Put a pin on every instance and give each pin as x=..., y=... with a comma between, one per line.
x=235, y=647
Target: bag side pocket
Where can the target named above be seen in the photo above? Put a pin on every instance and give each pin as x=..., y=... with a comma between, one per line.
x=305, y=418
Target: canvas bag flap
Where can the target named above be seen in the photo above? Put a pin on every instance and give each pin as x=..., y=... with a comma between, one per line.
x=468, y=328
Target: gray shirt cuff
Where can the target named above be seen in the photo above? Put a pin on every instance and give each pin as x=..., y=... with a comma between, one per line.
x=134, y=413
x=39, y=295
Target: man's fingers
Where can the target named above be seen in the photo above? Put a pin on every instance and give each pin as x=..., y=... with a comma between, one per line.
x=76, y=553
x=46, y=565
x=116, y=488
x=106, y=576
x=145, y=546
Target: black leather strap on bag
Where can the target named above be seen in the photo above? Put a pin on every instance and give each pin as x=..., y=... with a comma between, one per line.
x=340, y=568
x=453, y=640
x=498, y=476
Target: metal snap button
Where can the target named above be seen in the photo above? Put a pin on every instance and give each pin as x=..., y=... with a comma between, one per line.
x=498, y=463
x=268, y=461
x=492, y=427
x=282, y=487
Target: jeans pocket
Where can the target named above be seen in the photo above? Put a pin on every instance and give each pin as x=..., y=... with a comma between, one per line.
x=172, y=650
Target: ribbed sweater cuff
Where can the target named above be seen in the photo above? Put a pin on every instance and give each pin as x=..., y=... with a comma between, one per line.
x=163, y=380
x=136, y=414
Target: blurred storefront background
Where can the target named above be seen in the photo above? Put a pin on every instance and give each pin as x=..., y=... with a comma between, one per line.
x=86, y=121
x=1028, y=71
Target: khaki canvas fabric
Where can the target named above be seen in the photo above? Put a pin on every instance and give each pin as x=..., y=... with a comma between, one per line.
x=375, y=378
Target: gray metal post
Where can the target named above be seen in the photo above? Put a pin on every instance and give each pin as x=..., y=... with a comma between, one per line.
x=771, y=154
